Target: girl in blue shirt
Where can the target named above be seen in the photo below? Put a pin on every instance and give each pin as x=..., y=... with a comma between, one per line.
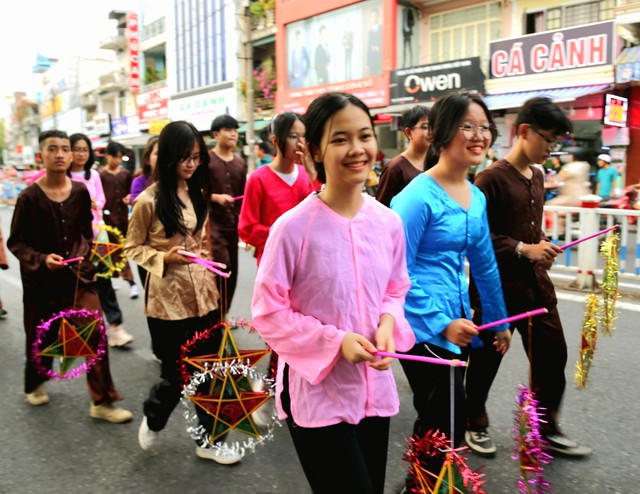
x=445, y=221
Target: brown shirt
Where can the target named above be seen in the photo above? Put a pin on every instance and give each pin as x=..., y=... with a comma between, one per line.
x=515, y=213
x=116, y=186
x=226, y=177
x=395, y=177
x=174, y=291
x=41, y=227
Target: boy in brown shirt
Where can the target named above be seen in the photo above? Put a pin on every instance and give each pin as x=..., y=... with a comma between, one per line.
x=514, y=189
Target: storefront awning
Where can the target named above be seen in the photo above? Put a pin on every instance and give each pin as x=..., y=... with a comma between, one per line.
x=628, y=65
x=516, y=100
x=258, y=125
x=129, y=141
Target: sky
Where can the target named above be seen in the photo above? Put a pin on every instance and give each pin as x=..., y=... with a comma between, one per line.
x=55, y=29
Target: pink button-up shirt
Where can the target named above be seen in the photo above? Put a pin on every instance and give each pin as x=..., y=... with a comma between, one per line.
x=321, y=276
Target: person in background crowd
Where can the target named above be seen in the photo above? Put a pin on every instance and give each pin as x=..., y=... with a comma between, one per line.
x=608, y=179
x=262, y=150
x=81, y=171
x=514, y=189
x=410, y=163
x=276, y=188
x=144, y=179
x=116, y=182
x=52, y=221
x=335, y=395
x=4, y=264
x=227, y=180
x=445, y=221
x=182, y=299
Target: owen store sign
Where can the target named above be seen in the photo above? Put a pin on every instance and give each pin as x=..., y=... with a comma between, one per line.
x=429, y=82
x=553, y=51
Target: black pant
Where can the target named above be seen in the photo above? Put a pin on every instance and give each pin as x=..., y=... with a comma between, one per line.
x=548, y=360
x=108, y=300
x=341, y=458
x=431, y=386
x=168, y=338
x=225, y=250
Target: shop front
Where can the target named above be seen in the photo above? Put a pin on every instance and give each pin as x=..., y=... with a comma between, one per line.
x=574, y=67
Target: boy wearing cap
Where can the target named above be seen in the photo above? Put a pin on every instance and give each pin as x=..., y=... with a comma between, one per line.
x=608, y=178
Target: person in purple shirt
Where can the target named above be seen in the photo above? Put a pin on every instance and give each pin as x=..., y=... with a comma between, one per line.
x=143, y=180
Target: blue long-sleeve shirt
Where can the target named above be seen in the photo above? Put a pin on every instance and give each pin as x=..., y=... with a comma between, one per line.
x=440, y=234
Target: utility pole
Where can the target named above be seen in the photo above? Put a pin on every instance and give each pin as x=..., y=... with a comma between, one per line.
x=248, y=52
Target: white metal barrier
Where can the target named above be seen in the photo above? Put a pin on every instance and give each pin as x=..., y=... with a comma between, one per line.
x=564, y=224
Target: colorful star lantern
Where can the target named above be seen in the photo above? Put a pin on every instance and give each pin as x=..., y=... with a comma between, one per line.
x=222, y=387
x=80, y=333
x=455, y=477
x=609, y=252
x=529, y=449
x=589, y=338
x=107, y=251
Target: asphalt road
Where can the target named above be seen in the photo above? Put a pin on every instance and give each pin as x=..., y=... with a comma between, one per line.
x=58, y=448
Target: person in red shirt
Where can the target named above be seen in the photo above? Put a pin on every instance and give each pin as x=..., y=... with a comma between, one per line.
x=275, y=188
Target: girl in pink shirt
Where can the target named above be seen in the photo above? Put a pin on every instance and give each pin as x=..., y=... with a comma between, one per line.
x=329, y=292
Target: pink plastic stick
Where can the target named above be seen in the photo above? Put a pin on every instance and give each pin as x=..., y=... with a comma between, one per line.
x=73, y=259
x=204, y=264
x=418, y=358
x=236, y=198
x=597, y=234
x=191, y=255
x=517, y=317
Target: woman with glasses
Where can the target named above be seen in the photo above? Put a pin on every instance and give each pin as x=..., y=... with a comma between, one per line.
x=445, y=222
x=181, y=297
x=81, y=170
x=277, y=187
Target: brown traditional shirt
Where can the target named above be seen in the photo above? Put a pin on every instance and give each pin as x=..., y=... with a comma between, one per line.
x=515, y=213
x=395, y=177
x=41, y=227
x=226, y=177
x=116, y=186
x=174, y=291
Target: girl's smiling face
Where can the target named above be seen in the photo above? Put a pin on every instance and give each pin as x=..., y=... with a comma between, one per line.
x=348, y=147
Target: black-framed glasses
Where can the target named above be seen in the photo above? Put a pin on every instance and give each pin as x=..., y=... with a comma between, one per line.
x=195, y=159
x=552, y=144
x=470, y=131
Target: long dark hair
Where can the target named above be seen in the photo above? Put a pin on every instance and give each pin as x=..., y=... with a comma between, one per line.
x=146, y=156
x=319, y=113
x=174, y=146
x=89, y=163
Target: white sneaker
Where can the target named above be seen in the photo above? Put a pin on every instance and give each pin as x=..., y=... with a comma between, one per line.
x=146, y=437
x=118, y=336
x=38, y=396
x=224, y=455
x=114, y=285
x=133, y=291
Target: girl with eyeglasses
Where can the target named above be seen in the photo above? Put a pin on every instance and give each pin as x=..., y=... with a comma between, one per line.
x=81, y=170
x=181, y=297
x=277, y=187
x=445, y=222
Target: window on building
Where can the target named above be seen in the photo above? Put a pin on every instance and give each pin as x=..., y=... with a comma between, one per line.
x=465, y=33
x=569, y=16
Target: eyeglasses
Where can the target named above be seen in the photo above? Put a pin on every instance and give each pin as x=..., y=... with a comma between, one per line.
x=80, y=151
x=470, y=131
x=552, y=144
x=195, y=159
x=424, y=127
